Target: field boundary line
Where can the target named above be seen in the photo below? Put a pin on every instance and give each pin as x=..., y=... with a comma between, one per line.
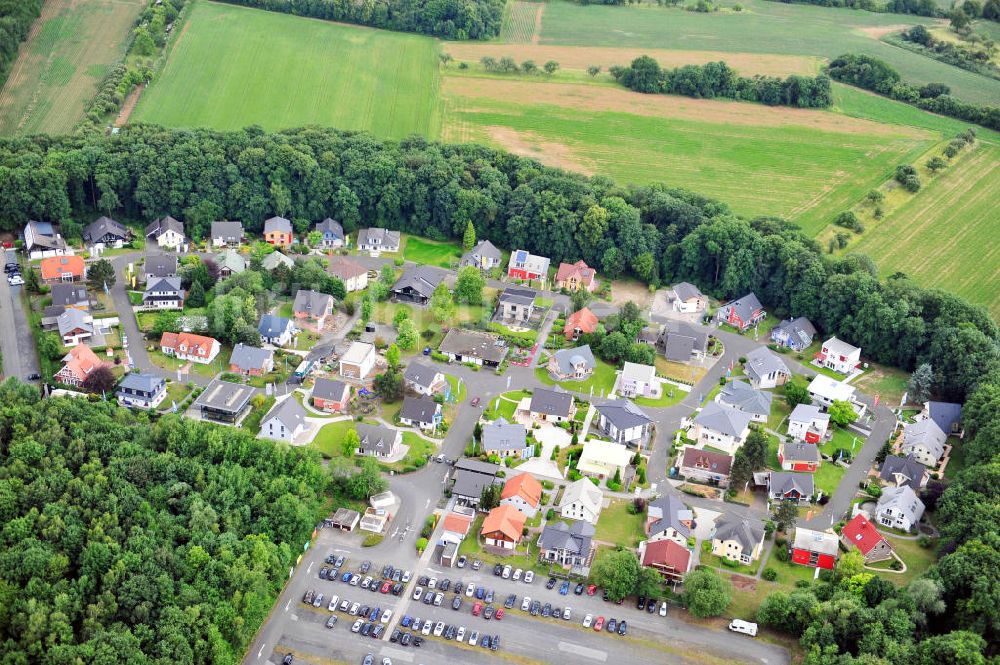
x=536, y=34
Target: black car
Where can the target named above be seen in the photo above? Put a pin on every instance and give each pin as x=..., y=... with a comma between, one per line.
x=377, y=632
x=551, y=583
x=423, y=580
x=396, y=634
x=579, y=589
x=456, y=604
x=322, y=572
x=488, y=612
x=417, y=640
x=365, y=567
x=288, y=659
x=641, y=604
x=330, y=559
x=605, y=596
x=428, y=598
x=366, y=629
x=651, y=606
x=34, y=376
x=498, y=570
x=397, y=588
x=486, y=641
x=547, y=610
x=365, y=611
x=405, y=639
x=622, y=627
x=535, y=606
x=444, y=585
x=495, y=643
x=511, y=599
x=333, y=575
x=332, y=621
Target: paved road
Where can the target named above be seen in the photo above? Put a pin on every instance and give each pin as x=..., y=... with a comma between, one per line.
x=20, y=358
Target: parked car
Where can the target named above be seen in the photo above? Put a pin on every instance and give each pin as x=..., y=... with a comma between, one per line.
x=407, y=621
x=564, y=588
x=396, y=634
x=488, y=612
x=355, y=609
x=386, y=616
x=460, y=636
x=745, y=627
x=405, y=639
x=556, y=613
x=641, y=603
x=397, y=588
x=525, y=604
x=612, y=625
x=339, y=562
x=356, y=628
x=432, y=583
x=406, y=577
x=474, y=638
x=345, y=605
x=489, y=596
x=323, y=572
x=438, y=599
x=438, y=629
x=663, y=609
x=477, y=609
x=469, y=590
x=485, y=642
x=456, y=603
x=591, y=589
x=386, y=587
x=505, y=573
x=651, y=606
x=332, y=621
x=598, y=623
x=579, y=589
x=547, y=610
x=551, y=583
x=333, y=603
x=477, y=564
x=536, y=606
x=475, y=401
x=480, y=592
x=517, y=575
x=511, y=599
x=318, y=600
x=461, y=561
x=588, y=620
x=418, y=592
x=308, y=597
x=495, y=643
x=529, y=576
x=444, y=585
x=622, y=627
x=567, y=614
x=288, y=659
x=499, y=615
x=498, y=569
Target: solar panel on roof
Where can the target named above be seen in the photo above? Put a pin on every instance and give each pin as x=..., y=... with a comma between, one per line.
x=520, y=256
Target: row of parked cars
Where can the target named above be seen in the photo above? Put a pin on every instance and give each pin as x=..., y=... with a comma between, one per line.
x=13, y=270
x=447, y=631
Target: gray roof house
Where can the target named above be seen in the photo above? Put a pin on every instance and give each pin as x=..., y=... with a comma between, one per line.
x=925, y=441
x=782, y=486
x=901, y=471
x=470, y=476
x=163, y=293
x=275, y=259
x=551, y=404
x=568, y=545
x=106, y=231
x=226, y=233
x=686, y=291
x=475, y=347
x=251, y=360
x=623, y=421
x=796, y=334
x=742, y=313
x=284, y=421
x=422, y=412
x=573, y=364
x=417, y=284
x=423, y=378
x=167, y=224
x=766, y=369
x=312, y=304
x=378, y=440
x=743, y=397
x=378, y=240
x=747, y=534
x=158, y=266
x=331, y=389
x=277, y=224
x=231, y=262
x=947, y=415
x=679, y=341
x=669, y=512
x=793, y=455
x=484, y=255
x=723, y=419
x=899, y=508
x=516, y=303
x=333, y=232
x=75, y=323
x=275, y=330
x=504, y=439
x=69, y=295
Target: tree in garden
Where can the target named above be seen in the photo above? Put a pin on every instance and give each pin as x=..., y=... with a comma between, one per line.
x=613, y=347
x=469, y=237
x=195, y=296
x=351, y=443
x=648, y=583
x=402, y=314
x=367, y=481
x=920, y=383
x=959, y=647
x=100, y=381
x=389, y=385
x=442, y=304
x=796, y=393
x=706, y=594
x=406, y=337
x=489, y=498
x=392, y=356
x=579, y=299
x=367, y=309
x=387, y=275
x=842, y=413
x=755, y=449
x=32, y=282
x=616, y=572
x=785, y=514
x=99, y=273
x=469, y=286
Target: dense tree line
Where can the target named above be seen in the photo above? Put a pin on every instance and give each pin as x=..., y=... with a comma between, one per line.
x=873, y=74
x=126, y=542
x=449, y=19
x=16, y=17
x=917, y=7
x=717, y=79
x=657, y=233
x=973, y=56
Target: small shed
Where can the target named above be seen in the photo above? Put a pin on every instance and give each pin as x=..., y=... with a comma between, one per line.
x=344, y=519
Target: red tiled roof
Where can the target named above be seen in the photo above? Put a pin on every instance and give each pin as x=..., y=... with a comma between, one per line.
x=506, y=519
x=860, y=533
x=55, y=266
x=584, y=319
x=579, y=269
x=525, y=486
x=457, y=523
x=667, y=553
x=197, y=345
x=81, y=361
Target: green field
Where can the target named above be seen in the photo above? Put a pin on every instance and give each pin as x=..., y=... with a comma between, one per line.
x=232, y=66
x=69, y=51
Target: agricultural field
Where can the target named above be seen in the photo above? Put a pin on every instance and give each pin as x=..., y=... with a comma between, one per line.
x=70, y=49
x=282, y=71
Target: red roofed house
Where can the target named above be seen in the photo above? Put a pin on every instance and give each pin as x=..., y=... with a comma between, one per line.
x=455, y=528
x=56, y=269
x=523, y=492
x=502, y=527
x=667, y=558
x=576, y=276
x=861, y=533
x=80, y=362
x=818, y=549
x=187, y=346
x=579, y=323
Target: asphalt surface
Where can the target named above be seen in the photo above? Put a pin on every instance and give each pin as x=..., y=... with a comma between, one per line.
x=20, y=358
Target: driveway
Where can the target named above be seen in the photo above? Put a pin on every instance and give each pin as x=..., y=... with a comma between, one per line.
x=20, y=357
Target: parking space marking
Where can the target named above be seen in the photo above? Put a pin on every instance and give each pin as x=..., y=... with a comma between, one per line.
x=397, y=654
x=261, y=649
x=593, y=654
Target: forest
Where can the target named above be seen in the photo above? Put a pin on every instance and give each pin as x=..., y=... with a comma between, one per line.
x=130, y=542
x=657, y=233
x=448, y=19
x=16, y=17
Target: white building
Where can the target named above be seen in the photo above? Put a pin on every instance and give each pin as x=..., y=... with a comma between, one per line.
x=638, y=380
x=284, y=421
x=839, y=356
x=825, y=390
x=808, y=423
x=582, y=500
x=899, y=508
x=359, y=360
x=721, y=427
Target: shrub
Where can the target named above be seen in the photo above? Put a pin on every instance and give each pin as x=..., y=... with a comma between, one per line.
x=372, y=539
x=769, y=574
x=782, y=554
x=550, y=514
x=421, y=544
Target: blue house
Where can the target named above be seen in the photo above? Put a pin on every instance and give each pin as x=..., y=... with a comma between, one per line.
x=333, y=233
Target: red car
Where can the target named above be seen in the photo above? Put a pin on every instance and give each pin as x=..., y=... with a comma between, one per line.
x=499, y=614
x=598, y=624
x=386, y=587
x=477, y=609
x=592, y=589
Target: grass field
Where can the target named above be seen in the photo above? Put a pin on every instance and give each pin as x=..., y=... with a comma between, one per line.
x=431, y=252
x=234, y=66
x=67, y=54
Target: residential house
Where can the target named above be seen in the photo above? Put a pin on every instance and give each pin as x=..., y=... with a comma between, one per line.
x=624, y=422
x=275, y=330
x=522, y=492
x=165, y=293
x=484, y=256
x=278, y=232
x=705, y=465
x=106, y=233
x=332, y=232
x=742, y=313
x=550, y=405
x=188, y=346
x=816, y=549
x=378, y=240
x=686, y=297
x=798, y=457
x=721, y=427
x=670, y=560
x=862, y=534
x=275, y=259
x=925, y=441
x=422, y=412
x=576, y=276
x=353, y=275
x=470, y=477
x=75, y=326
x=582, y=500
x=569, y=545
x=251, y=361
x=424, y=379
x=825, y=390
x=580, y=322
x=70, y=296
x=41, y=241
x=231, y=263
x=285, y=421
x=638, y=380
x=62, y=268
x=738, y=538
x=667, y=518
x=808, y=423
x=899, y=508
x=358, y=361
x=603, y=459
x=330, y=395
x=505, y=439
x=227, y=234
x=903, y=471
x=526, y=266
x=796, y=334
x=797, y=487
x=576, y=364
x=166, y=232
x=78, y=364
x=159, y=266
x=839, y=356
x=141, y=390
x=224, y=402
x=741, y=396
x=766, y=369
x=516, y=304
x=416, y=285
x=378, y=440
x=455, y=526
x=503, y=526
x=681, y=342
x=467, y=346
x=312, y=306
x=947, y=416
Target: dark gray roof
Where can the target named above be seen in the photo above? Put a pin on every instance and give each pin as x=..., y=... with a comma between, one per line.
x=744, y=307
x=161, y=265
x=474, y=344
x=249, y=357
x=103, y=226
x=420, y=374
x=329, y=226
x=518, y=295
x=926, y=433
x=160, y=226
x=567, y=359
x=389, y=239
x=800, y=329
x=785, y=482
x=277, y=224
x=483, y=249
x=376, y=438
x=68, y=294
x=575, y=538
x=471, y=484
x=747, y=531
x=273, y=326
x=551, y=402
x=678, y=347
x=312, y=302
x=502, y=435
x=724, y=419
x=691, y=337
x=685, y=291
x=762, y=361
x=225, y=396
x=476, y=466
x=623, y=414
x=328, y=388
x=418, y=409
x=945, y=414
x=906, y=468
x=165, y=285
x=289, y=413
x=227, y=230
x=800, y=452
x=741, y=395
x=142, y=382
x=667, y=511
x=422, y=279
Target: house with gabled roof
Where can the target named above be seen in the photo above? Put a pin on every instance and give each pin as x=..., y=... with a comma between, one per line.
x=862, y=534
x=278, y=232
x=275, y=259
x=41, y=241
x=825, y=390
x=925, y=441
x=275, y=330
x=469, y=346
x=766, y=369
x=378, y=240
x=104, y=233
x=808, y=423
x=580, y=322
x=548, y=405
x=503, y=526
x=624, y=422
x=227, y=234
x=796, y=334
x=582, y=500
x=78, y=364
x=686, y=297
x=574, y=364
x=721, y=427
x=330, y=395
x=163, y=293
x=422, y=412
x=378, y=440
x=484, y=256
x=523, y=492
x=738, y=538
x=312, y=306
x=667, y=518
x=469, y=477
x=504, y=439
x=802, y=457
x=705, y=465
x=681, y=342
x=816, y=549
x=741, y=396
x=670, y=560
x=166, y=232
x=352, y=274
x=797, y=487
x=285, y=421
x=62, y=268
x=332, y=232
x=576, y=276
x=838, y=355
x=188, y=346
x=424, y=379
x=75, y=326
x=899, y=471
x=231, y=263
x=141, y=390
x=638, y=380
x=742, y=313
x=516, y=304
x=70, y=296
x=251, y=360
x=947, y=416
x=416, y=285
x=526, y=266
x=603, y=459
x=159, y=266
x=569, y=545
x=899, y=508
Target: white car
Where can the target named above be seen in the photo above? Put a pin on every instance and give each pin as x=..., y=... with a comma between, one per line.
x=517, y=575
x=526, y=604
x=416, y=624
x=16, y=280
x=469, y=590
x=567, y=614
x=355, y=580
x=355, y=608
x=356, y=628
x=438, y=599
x=663, y=609
x=428, y=627
x=432, y=583
x=529, y=576
x=506, y=572
x=438, y=629
x=333, y=603
x=460, y=637
x=474, y=638
x=386, y=616
x=418, y=592
x=406, y=576
x=587, y=620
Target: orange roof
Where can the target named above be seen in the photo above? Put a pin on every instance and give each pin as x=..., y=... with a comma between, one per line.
x=197, y=345
x=580, y=270
x=524, y=486
x=55, y=267
x=81, y=361
x=506, y=519
x=457, y=523
x=584, y=320
x=667, y=553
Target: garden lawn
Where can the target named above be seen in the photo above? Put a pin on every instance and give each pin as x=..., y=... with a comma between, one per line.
x=457, y=389
x=917, y=559
x=956, y=460
x=619, y=527
x=788, y=573
x=600, y=382
x=681, y=372
x=330, y=437
x=718, y=562
x=842, y=439
x=176, y=392
x=420, y=449
x=285, y=309
x=828, y=476
x=431, y=252
x=252, y=421
x=172, y=364
x=670, y=395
